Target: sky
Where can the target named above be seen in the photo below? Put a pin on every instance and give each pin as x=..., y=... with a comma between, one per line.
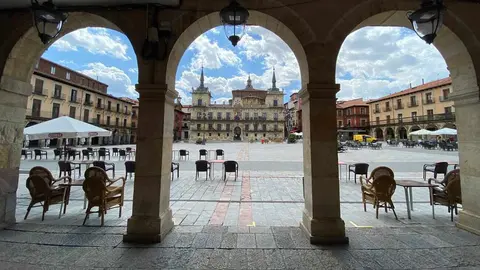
x=373, y=61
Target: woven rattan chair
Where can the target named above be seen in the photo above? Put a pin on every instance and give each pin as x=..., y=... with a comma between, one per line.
x=46, y=191
x=230, y=166
x=101, y=193
x=380, y=193
x=379, y=171
x=449, y=192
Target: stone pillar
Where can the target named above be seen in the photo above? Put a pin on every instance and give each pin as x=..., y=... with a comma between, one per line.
x=467, y=111
x=321, y=217
x=13, y=105
x=151, y=214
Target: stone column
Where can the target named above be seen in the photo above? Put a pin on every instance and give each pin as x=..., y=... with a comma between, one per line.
x=13, y=104
x=467, y=111
x=321, y=217
x=151, y=215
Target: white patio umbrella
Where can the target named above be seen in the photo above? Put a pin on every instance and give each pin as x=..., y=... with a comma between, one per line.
x=64, y=128
x=420, y=132
x=445, y=131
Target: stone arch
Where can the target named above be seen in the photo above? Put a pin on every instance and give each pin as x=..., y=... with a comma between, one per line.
x=27, y=47
x=402, y=133
x=414, y=128
x=456, y=42
x=450, y=125
x=378, y=133
x=389, y=133
x=212, y=20
x=431, y=127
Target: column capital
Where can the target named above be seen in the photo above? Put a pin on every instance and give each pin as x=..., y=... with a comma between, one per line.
x=320, y=91
x=15, y=86
x=155, y=91
x=465, y=98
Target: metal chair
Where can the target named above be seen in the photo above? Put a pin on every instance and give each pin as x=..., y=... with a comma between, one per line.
x=184, y=153
x=102, y=152
x=103, y=165
x=87, y=154
x=122, y=154
x=202, y=166
x=437, y=168
x=175, y=167
x=129, y=168
x=40, y=153
x=66, y=168
x=230, y=166
x=114, y=151
x=73, y=153
x=57, y=153
x=219, y=152
x=26, y=153
x=358, y=168
x=202, y=152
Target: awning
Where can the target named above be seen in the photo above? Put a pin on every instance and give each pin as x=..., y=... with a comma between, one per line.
x=64, y=127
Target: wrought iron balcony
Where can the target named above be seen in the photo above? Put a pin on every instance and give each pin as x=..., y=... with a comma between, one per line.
x=40, y=92
x=59, y=96
x=412, y=104
x=429, y=101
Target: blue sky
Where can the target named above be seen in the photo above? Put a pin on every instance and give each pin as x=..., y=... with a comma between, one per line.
x=373, y=61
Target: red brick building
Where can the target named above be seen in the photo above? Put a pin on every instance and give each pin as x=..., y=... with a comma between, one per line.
x=352, y=117
x=178, y=121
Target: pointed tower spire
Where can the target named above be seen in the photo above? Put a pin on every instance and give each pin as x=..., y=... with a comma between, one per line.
x=249, y=83
x=274, y=80
x=202, y=79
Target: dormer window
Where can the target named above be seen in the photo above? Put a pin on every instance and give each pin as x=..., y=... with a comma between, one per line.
x=52, y=70
x=68, y=76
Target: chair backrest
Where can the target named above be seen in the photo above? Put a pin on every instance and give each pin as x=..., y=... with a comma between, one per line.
x=183, y=152
x=382, y=170
x=85, y=152
x=71, y=152
x=441, y=167
x=42, y=172
x=361, y=168
x=384, y=187
x=37, y=152
x=201, y=165
x=37, y=186
x=130, y=166
x=101, y=152
x=219, y=152
x=99, y=164
x=89, y=149
x=94, y=185
x=64, y=166
x=96, y=172
x=56, y=152
x=203, y=152
x=230, y=166
x=114, y=150
x=454, y=190
x=122, y=152
x=129, y=149
x=24, y=152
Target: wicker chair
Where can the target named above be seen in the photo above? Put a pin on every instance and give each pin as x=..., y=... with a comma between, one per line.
x=230, y=166
x=46, y=191
x=379, y=171
x=101, y=193
x=379, y=193
x=105, y=166
x=202, y=166
x=449, y=192
x=437, y=168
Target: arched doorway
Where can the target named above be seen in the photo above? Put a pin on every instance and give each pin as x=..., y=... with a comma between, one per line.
x=379, y=134
x=390, y=133
x=402, y=133
x=237, y=134
x=431, y=127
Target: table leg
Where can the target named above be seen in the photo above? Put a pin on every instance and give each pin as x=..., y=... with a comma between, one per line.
x=433, y=205
x=63, y=202
x=411, y=199
x=408, y=203
x=84, y=201
x=346, y=171
x=213, y=171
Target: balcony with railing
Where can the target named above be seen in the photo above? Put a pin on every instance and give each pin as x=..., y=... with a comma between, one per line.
x=429, y=101
x=376, y=110
x=88, y=103
x=135, y=115
x=387, y=109
x=127, y=112
x=75, y=100
x=398, y=106
x=443, y=117
x=412, y=104
x=59, y=96
x=40, y=92
x=444, y=98
x=100, y=106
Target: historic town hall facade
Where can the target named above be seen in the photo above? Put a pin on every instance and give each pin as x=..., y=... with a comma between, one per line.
x=250, y=115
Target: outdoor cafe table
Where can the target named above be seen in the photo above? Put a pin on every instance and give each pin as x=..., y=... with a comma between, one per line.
x=340, y=164
x=213, y=162
x=408, y=185
x=69, y=185
x=87, y=163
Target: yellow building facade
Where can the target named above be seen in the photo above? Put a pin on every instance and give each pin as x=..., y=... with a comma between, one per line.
x=250, y=115
x=427, y=106
x=59, y=91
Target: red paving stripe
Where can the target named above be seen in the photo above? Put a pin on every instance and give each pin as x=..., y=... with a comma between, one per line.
x=246, y=216
x=219, y=214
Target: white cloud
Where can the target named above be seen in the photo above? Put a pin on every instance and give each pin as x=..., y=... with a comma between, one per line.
x=133, y=70
x=94, y=40
x=209, y=54
x=119, y=84
x=376, y=61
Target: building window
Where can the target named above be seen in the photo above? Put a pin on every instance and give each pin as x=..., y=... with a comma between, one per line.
x=219, y=126
x=264, y=116
x=198, y=134
x=52, y=70
x=228, y=116
x=210, y=126
x=118, y=107
x=228, y=134
x=413, y=101
x=429, y=98
x=264, y=127
x=117, y=121
x=124, y=122
x=210, y=115
x=448, y=110
x=98, y=119
x=364, y=122
x=363, y=111
x=446, y=92
x=68, y=76
x=246, y=127
x=339, y=112
x=199, y=115
x=55, y=110
x=430, y=114
x=126, y=109
x=377, y=108
x=387, y=105
x=377, y=120
x=247, y=116
x=99, y=103
x=255, y=116
x=400, y=118
x=227, y=127
x=414, y=116
x=275, y=102
x=85, y=115
x=210, y=134
x=38, y=86
x=73, y=95
x=219, y=116
x=73, y=111
x=199, y=126
x=87, y=99
x=339, y=123
x=36, y=107
x=109, y=105
x=57, y=92
x=349, y=123
x=108, y=120
x=199, y=102
x=275, y=116
x=388, y=119
x=399, y=104
x=349, y=111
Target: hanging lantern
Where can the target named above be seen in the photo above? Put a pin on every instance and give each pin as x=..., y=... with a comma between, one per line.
x=48, y=20
x=235, y=17
x=428, y=19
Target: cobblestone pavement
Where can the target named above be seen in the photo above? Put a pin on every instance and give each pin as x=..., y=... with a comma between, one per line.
x=250, y=223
